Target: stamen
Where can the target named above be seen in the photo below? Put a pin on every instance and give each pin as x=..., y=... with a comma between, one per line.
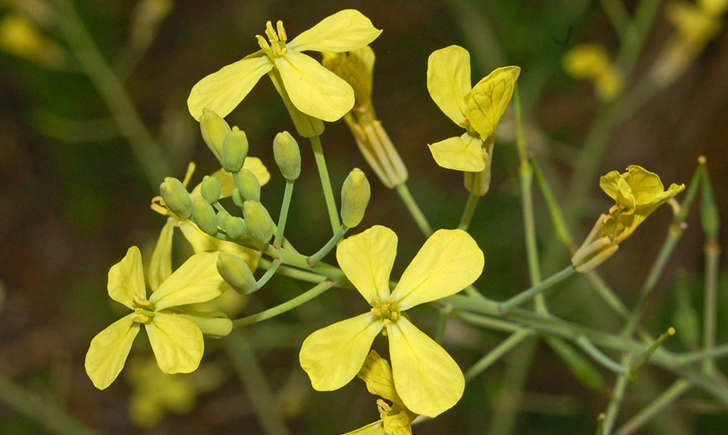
x=262, y=43
x=270, y=32
x=281, y=31
x=141, y=303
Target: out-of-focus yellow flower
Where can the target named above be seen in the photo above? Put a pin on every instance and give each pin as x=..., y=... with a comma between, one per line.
x=154, y=393
x=312, y=89
x=592, y=62
x=20, y=37
x=395, y=419
x=174, y=331
x=425, y=377
x=356, y=67
x=637, y=193
x=478, y=109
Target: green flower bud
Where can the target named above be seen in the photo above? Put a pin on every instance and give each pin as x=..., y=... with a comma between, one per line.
x=259, y=223
x=234, y=150
x=287, y=155
x=176, y=197
x=214, y=129
x=210, y=189
x=248, y=185
x=235, y=272
x=204, y=216
x=237, y=198
x=234, y=227
x=355, y=194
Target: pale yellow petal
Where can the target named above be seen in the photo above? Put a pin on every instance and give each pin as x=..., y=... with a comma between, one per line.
x=177, y=343
x=449, y=261
x=203, y=242
x=646, y=186
x=375, y=428
x=126, y=278
x=160, y=266
x=614, y=185
x=586, y=61
x=367, y=259
x=397, y=423
x=377, y=375
x=224, y=89
x=108, y=351
x=448, y=80
x=196, y=281
x=345, y=30
x=333, y=355
x=256, y=166
x=461, y=153
x=427, y=379
x=488, y=100
x=313, y=89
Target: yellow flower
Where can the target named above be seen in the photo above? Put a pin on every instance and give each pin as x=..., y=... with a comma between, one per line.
x=637, y=193
x=592, y=62
x=21, y=37
x=695, y=24
x=312, y=89
x=395, y=419
x=477, y=110
x=153, y=393
x=175, y=333
x=425, y=376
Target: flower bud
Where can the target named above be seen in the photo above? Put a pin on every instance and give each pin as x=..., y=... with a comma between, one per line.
x=210, y=189
x=237, y=198
x=287, y=155
x=355, y=194
x=204, y=216
x=258, y=221
x=176, y=197
x=247, y=184
x=234, y=227
x=235, y=272
x=234, y=150
x=213, y=129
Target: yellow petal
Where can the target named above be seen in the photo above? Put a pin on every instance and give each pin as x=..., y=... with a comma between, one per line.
x=203, y=242
x=461, y=153
x=196, y=281
x=160, y=266
x=426, y=377
x=616, y=187
x=108, y=351
x=397, y=423
x=126, y=278
x=333, y=355
x=646, y=186
x=256, y=166
x=487, y=101
x=586, y=61
x=448, y=80
x=345, y=30
x=367, y=259
x=449, y=261
x=224, y=89
x=313, y=89
x=375, y=428
x=377, y=375
x=177, y=343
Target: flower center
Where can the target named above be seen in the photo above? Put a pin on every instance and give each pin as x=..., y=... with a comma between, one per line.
x=385, y=310
x=275, y=46
x=143, y=310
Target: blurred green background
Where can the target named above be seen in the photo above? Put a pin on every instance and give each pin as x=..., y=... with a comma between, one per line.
x=74, y=196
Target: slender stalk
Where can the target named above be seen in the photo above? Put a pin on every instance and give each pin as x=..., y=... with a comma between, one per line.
x=468, y=211
x=658, y=405
x=285, y=306
x=268, y=274
x=712, y=256
x=331, y=244
x=530, y=293
x=618, y=15
x=610, y=416
x=494, y=355
x=598, y=355
x=443, y=316
x=283, y=217
x=291, y=272
x=703, y=355
x=509, y=395
x=318, y=154
x=414, y=209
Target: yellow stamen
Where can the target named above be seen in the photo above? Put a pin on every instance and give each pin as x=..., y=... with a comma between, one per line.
x=270, y=32
x=281, y=31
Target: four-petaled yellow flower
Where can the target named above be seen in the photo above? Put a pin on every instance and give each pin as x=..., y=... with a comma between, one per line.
x=426, y=378
x=313, y=89
x=174, y=332
x=477, y=110
x=592, y=62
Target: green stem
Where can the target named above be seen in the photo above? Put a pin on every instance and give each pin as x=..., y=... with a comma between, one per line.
x=618, y=15
x=494, y=355
x=268, y=274
x=703, y=355
x=283, y=217
x=530, y=293
x=712, y=256
x=658, y=405
x=468, y=211
x=318, y=154
x=620, y=386
x=285, y=306
x=598, y=355
x=291, y=272
x=443, y=316
x=414, y=209
x=331, y=244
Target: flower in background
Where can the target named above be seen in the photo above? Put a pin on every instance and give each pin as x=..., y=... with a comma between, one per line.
x=592, y=62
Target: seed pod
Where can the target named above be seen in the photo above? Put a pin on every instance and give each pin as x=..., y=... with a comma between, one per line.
x=176, y=197
x=287, y=155
x=204, y=216
x=235, y=272
x=355, y=194
x=210, y=189
x=234, y=227
x=234, y=150
x=213, y=129
x=258, y=221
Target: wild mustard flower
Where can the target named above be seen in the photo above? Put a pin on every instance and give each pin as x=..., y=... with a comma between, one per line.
x=478, y=109
x=426, y=378
x=312, y=89
x=174, y=332
x=592, y=62
x=637, y=193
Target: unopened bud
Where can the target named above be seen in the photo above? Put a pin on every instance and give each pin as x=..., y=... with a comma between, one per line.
x=214, y=129
x=258, y=221
x=237, y=198
x=176, y=197
x=234, y=227
x=204, y=216
x=355, y=194
x=235, y=272
x=210, y=189
x=247, y=184
x=287, y=155
x=234, y=150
